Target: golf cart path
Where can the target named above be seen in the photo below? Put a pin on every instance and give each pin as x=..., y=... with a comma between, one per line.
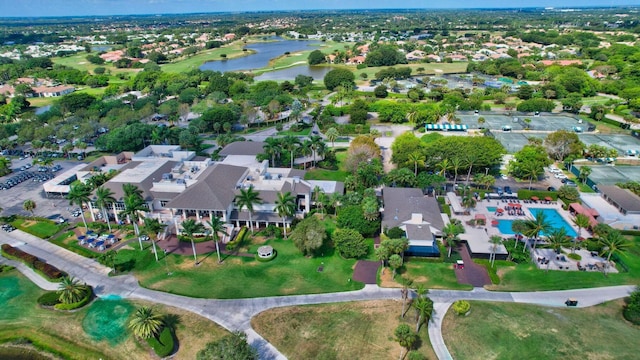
x=236, y=314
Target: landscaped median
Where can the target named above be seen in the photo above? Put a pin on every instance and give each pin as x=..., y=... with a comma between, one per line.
x=49, y=272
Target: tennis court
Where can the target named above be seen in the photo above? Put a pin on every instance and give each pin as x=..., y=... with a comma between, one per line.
x=611, y=175
x=513, y=142
x=517, y=122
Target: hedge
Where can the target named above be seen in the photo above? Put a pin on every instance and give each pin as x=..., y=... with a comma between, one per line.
x=231, y=245
x=85, y=300
x=461, y=307
x=48, y=271
x=19, y=254
x=164, y=344
x=50, y=298
x=525, y=194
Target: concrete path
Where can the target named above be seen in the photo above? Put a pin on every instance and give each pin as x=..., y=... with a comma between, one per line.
x=236, y=314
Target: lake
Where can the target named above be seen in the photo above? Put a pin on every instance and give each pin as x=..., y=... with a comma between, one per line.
x=317, y=72
x=263, y=53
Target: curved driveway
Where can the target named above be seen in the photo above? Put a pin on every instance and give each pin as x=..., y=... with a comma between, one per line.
x=236, y=314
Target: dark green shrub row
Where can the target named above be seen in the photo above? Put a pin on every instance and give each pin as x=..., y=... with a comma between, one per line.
x=19, y=254
x=5, y=268
x=49, y=271
x=525, y=194
x=631, y=310
x=267, y=259
x=630, y=232
x=164, y=344
x=232, y=245
x=50, y=298
x=85, y=300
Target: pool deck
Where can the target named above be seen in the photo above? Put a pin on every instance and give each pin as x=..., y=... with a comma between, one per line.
x=478, y=236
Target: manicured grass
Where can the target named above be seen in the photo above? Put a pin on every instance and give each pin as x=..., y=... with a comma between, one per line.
x=517, y=331
x=322, y=174
x=360, y=330
x=62, y=333
x=526, y=277
x=40, y=228
x=69, y=241
x=303, y=132
x=242, y=277
x=430, y=69
x=182, y=65
x=431, y=273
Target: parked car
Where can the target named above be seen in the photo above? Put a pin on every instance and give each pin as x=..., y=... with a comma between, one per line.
x=507, y=189
x=551, y=188
x=560, y=176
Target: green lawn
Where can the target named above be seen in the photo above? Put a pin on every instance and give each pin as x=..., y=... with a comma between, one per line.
x=40, y=228
x=69, y=241
x=526, y=277
x=183, y=65
x=432, y=274
x=239, y=277
x=518, y=331
x=303, y=132
x=430, y=69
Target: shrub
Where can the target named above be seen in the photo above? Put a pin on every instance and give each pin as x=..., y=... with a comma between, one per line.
x=574, y=256
x=631, y=310
x=50, y=298
x=237, y=241
x=164, y=344
x=395, y=233
x=5, y=268
x=15, y=253
x=349, y=243
x=76, y=305
x=515, y=254
x=461, y=307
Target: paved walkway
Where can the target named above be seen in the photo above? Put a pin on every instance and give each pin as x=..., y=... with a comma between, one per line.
x=236, y=314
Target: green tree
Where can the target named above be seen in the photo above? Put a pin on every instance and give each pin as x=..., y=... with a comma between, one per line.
x=539, y=224
x=291, y=144
x=191, y=227
x=405, y=337
x=352, y=217
x=309, y=235
x=519, y=227
x=557, y=239
x=133, y=205
x=230, y=347
x=585, y=171
x=562, y=143
x=424, y=309
x=569, y=193
x=338, y=77
x=79, y=195
x=152, y=227
x=316, y=57
x=395, y=262
x=403, y=147
x=104, y=198
x=247, y=199
x=29, y=205
x=450, y=233
x=582, y=222
x=71, y=290
x=332, y=135
x=217, y=226
x=285, y=207
x=146, y=322
x=349, y=243
x=613, y=243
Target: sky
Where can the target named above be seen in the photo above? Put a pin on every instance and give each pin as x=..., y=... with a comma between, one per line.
x=36, y=8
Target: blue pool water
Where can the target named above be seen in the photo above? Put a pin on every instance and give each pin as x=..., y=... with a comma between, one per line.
x=553, y=217
x=491, y=209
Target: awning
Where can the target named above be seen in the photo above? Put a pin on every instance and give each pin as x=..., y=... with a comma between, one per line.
x=480, y=217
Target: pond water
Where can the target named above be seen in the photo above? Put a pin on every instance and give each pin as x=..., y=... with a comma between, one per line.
x=100, y=48
x=263, y=53
x=42, y=109
x=316, y=72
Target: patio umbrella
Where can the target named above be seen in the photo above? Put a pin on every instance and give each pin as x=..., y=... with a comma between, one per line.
x=499, y=210
x=548, y=198
x=535, y=198
x=81, y=237
x=517, y=205
x=495, y=222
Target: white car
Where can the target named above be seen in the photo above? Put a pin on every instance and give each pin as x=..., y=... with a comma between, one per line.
x=560, y=176
x=504, y=177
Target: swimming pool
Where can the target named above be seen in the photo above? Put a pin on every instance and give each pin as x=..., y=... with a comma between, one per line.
x=553, y=217
x=491, y=209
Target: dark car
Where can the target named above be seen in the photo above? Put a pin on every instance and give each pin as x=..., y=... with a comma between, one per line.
x=551, y=188
x=507, y=189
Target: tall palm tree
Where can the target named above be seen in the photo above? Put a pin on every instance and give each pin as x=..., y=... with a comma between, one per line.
x=152, y=227
x=417, y=159
x=217, y=226
x=79, y=195
x=406, y=284
x=285, y=207
x=469, y=202
x=29, y=205
x=332, y=135
x=316, y=143
x=443, y=166
x=451, y=232
x=471, y=159
x=456, y=164
x=613, y=243
x=247, y=199
x=495, y=241
x=519, y=227
x=191, y=227
x=539, y=224
x=557, y=239
x=272, y=148
x=146, y=322
x=424, y=309
x=585, y=171
x=582, y=222
x=133, y=205
x=291, y=143
x=71, y=290
x=130, y=189
x=104, y=197
x=531, y=170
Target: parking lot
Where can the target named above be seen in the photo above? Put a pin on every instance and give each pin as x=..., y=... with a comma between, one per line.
x=12, y=198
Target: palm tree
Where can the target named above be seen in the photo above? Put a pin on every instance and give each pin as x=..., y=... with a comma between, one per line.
x=315, y=142
x=417, y=159
x=247, y=198
x=332, y=135
x=582, y=222
x=29, y=205
x=531, y=170
x=290, y=143
x=71, y=290
x=471, y=159
x=443, y=166
x=557, y=239
x=104, y=197
x=79, y=195
x=132, y=207
x=152, y=227
x=272, y=148
x=424, y=309
x=469, y=202
x=451, y=232
x=285, y=207
x=613, y=243
x=495, y=241
x=191, y=227
x=146, y=323
x=406, y=284
x=519, y=227
x=130, y=189
x=217, y=226
x=585, y=171
x=537, y=225
x=456, y=164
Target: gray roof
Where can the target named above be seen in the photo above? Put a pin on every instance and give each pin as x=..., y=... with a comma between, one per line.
x=214, y=189
x=257, y=216
x=145, y=185
x=243, y=148
x=400, y=203
x=624, y=198
x=419, y=232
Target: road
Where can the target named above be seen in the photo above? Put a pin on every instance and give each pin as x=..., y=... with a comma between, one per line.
x=236, y=314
